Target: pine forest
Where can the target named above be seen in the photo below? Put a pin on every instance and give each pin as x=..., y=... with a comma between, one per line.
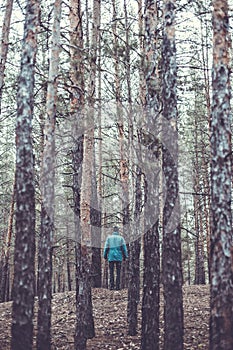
x=116, y=175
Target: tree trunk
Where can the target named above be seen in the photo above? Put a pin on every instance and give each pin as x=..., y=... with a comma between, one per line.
x=99, y=194
x=206, y=204
x=4, y=287
x=142, y=78
x=151, y=273
x=81, y=152
x=86, y=322
x=95, y=234
x=221, y=319
x=47, y=193
x=85, y=328
x=105, y=283
x=134, y=261
x=4, y=45
x=95, y=218
x=171, y=258
x=150, y=300
x=124, y=170
x=199, y=243
x=198, y=212
x=205, y=157
x=24, y=255
x=68, y=263
x=135, y=233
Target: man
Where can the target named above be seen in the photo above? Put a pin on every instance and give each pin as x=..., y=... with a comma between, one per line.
x=115, y=251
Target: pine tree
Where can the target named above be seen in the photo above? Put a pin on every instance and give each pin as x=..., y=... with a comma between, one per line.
x=221, y=320
x=24, y=255
x=171, y=259
x=47, y=192
x=4, y=44
x=151, y=268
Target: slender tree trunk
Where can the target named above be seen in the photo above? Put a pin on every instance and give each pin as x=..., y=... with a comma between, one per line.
x=134, y=238
x=142, y=80
x=4, y=45
x=199, y=244
x=134, y=261
x=151, y=273
x=47, y=192
x=206, y=67
x=206, y=201
x=124, y=170
x=95, y=233
x=68, y=263
x=171, y=259
x=95, y=213
x=105, y=283
x=84, y=291
x=221, y=319
x=81, y=160
x=205, y=157
x=6, y=257
x=24, y=255
x=100, y=158
x=187, y=243
x=85, y=298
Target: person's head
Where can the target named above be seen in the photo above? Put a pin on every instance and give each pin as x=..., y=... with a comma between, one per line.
x=115, y=229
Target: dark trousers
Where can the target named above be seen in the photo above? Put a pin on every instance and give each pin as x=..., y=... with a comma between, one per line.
x=112, y=264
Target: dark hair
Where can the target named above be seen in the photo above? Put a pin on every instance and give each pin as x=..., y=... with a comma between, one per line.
x=115, y=228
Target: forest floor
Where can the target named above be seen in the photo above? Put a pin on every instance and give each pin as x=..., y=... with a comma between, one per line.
x=110, y=321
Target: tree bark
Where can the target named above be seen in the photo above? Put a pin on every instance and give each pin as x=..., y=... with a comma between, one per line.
x=124, y=161
x=151, y=273
x=68, y=263
x=134, y=261
x=44, y=287
x=96, y=203
x=24, y=255
x=221, y=319
x=95, y=233
x=4, y=287
x=4, y=45
x=82, y=165
x=199, y=243
x=171, y=253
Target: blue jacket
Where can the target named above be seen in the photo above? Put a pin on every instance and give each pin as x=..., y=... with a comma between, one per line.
x=115, y=248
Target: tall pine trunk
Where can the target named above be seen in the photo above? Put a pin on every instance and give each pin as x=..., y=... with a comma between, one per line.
x=95, y=212
x=151, y=273
x=82, y=164
x=171, y=258
x=4, y=45
x=44, y=287
x=221, y=273
x=24, y=255
x=97, y=255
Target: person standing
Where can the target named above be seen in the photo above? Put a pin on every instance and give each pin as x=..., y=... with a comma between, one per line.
x=115, y=251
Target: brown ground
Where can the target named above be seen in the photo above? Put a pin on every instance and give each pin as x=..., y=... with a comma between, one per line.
x=110, y=321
